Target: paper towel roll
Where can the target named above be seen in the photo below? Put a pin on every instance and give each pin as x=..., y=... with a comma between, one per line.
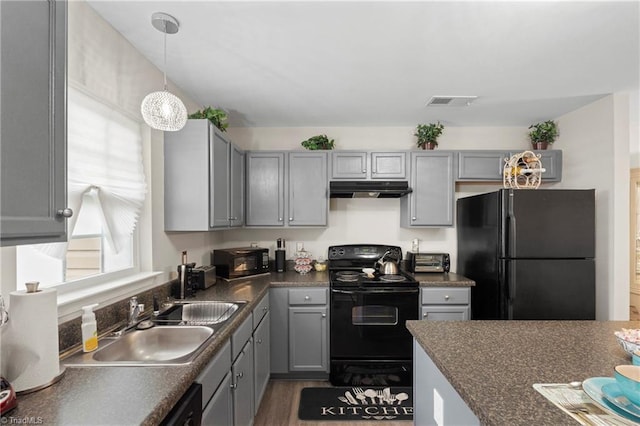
x=30, y=353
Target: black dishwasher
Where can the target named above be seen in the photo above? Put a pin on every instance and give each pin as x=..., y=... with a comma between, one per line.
x=188, y=411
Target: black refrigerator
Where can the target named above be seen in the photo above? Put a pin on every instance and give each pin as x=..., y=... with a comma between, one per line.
x=530, y=252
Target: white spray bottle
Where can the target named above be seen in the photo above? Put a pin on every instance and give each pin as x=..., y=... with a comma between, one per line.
x=89, y=329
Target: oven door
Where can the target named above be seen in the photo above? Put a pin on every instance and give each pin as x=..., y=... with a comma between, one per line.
x=369, y=324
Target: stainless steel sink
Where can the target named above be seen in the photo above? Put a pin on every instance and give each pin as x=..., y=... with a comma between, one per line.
x=157, y=344
x=168, y=345
x=181, y=333
x=199, y=313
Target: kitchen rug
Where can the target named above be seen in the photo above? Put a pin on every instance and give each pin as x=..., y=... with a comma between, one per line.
x=356, y=403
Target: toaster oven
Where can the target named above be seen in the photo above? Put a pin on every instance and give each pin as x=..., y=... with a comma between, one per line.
x=428, y=262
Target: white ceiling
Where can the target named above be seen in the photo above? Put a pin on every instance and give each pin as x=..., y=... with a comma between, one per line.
x=360, y=63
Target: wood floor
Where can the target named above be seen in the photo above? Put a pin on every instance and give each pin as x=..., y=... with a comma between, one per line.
x=279, y=406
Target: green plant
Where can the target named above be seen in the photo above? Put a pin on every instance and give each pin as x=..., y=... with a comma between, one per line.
x=428, y=133
x=546, y=131
x=217, y=116
x=318, y=142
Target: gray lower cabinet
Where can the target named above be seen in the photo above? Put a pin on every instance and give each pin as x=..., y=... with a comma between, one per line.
x=299, y=332
x=432, y=181
x=445, y=303
x=286, y=189
x=308, y=338
x=356, y=165
x=33, y=176
x=261, y=350
x=435, y=401
x=488, y=165
x=217, y=408
x=203, y=179
x=242, y=386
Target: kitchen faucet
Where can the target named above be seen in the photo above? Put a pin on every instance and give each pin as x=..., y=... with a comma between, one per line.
x=134, y=310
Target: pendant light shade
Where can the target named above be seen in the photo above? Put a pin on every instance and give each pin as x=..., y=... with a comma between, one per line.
x=162, y=110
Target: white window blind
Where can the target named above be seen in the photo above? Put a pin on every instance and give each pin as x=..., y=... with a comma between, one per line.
x=104, y=166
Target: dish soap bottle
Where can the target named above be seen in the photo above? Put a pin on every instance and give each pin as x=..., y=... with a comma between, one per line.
x=89, y=329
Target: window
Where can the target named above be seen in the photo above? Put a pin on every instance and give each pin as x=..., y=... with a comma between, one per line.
x=106, y=190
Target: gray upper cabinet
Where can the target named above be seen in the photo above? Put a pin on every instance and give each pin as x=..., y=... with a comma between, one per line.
x=203, y=179
x=286, y=188
x=33, y=177
x=265, y=188
x=551, y=160
x=308, y=189
x=356, y=165
x=432, y=181
x=488, y=165
x=481, y=165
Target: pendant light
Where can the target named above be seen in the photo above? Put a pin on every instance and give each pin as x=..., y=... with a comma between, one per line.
x=163, y=110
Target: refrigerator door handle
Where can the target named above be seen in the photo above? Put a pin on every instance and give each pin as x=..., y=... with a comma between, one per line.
x=511, y=228
x=511, y=270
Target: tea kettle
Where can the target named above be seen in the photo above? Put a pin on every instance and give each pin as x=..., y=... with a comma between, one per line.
x=387, y=267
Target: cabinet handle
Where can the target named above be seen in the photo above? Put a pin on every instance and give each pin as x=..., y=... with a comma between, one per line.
x=446, y=297
x=413, y=218
x=279, y=219
x=233, y=385
x=426, y=314
x=265, y=309
x=307, y=298
x=66, y=212
x=290, y=219
x=259, y=341
x=324, y=315
x=240, y=375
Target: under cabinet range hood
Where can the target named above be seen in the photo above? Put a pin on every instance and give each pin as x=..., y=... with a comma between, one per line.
x=368, y=189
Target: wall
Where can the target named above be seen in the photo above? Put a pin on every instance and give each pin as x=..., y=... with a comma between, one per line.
x=368, y=220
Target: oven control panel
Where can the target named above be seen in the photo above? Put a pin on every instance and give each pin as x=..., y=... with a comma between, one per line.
x=362, y=251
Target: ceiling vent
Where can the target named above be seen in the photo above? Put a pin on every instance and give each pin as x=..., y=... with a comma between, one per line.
x=451, y=101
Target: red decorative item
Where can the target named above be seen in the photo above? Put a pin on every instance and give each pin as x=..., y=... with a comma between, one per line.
x=8, y=399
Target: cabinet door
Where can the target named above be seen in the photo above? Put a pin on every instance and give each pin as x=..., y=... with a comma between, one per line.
x=242, y=386
x=33, y=122
x=279, y=324
x=220, y=177
x=348, y=165
x=219, y=410
x=432, y=199
x=265, y=189
x=551, y=160
x=388, y=165
x=262, y=361
x=308, y=342
x=445, y=312
x=236, y=191
x=481, y=165
x=308, y=189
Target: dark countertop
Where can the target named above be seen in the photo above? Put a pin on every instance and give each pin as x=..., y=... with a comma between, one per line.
x=145, y=395
x=493, y=364
x=443, y=280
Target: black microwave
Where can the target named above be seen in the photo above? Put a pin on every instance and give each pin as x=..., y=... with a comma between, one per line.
x=240, y=262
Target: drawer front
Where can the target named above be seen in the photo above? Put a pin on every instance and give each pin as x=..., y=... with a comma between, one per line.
x=260, y=311
x=240, y=337
x=446, y=295
x=308, y=296
x=445, y=313
x=214, y=372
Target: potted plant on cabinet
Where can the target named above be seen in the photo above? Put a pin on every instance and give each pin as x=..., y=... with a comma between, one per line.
x=318, y=142
x=542, y=134
x=216, y=115
x=428, y=134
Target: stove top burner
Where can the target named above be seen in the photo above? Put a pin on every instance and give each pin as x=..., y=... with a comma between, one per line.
x=393, y=278
x=348, y=273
